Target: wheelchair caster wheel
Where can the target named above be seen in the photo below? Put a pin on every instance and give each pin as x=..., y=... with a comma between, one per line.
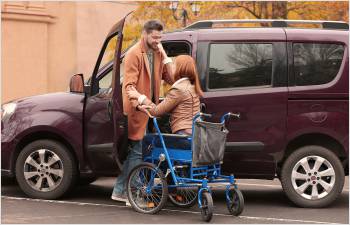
x=207, y=206
x=234, y=201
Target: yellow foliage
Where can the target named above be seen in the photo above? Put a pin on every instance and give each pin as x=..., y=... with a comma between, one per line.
x=298, y=10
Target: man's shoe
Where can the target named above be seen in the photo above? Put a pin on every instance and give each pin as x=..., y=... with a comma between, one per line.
x=119, y=198
x=127, y=203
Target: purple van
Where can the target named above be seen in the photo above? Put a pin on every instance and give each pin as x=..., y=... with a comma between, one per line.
x=289, y=84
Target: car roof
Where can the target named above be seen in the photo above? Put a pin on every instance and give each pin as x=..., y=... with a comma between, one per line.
x=260, y=33
x=269, y=29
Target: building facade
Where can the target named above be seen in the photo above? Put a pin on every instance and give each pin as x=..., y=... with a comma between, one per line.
x=44, y=43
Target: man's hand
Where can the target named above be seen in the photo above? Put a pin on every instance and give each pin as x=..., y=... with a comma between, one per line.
x=146, y=107
x=161, y=49
x=170, y=66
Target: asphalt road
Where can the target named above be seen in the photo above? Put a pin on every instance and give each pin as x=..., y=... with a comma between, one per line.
x=265, y=202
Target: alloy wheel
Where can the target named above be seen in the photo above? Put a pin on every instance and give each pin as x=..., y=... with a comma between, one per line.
x=43, y=170
x=313, y=177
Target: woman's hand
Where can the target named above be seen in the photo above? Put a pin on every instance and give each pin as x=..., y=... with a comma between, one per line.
x=133, y=93
x=144, y=109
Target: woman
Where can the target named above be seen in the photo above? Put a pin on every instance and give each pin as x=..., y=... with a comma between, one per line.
x=182, y=100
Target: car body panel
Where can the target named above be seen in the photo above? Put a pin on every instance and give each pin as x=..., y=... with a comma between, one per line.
x=259, y=134
x=58, y=113
x=320, y=109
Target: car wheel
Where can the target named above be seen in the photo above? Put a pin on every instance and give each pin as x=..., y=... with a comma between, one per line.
x=45, y=169
x=312, y=176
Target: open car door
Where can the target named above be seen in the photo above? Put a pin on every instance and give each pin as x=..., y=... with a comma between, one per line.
x=105, y=127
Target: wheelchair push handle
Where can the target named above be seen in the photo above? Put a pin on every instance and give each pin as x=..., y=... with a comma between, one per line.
x=229, y=115
x=205, y=115
x=200, y=115
x=237, y=115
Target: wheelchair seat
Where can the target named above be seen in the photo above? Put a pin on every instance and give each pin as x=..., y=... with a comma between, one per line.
x=173, y=141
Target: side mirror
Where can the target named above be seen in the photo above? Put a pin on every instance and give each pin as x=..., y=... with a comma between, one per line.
x=76, y=83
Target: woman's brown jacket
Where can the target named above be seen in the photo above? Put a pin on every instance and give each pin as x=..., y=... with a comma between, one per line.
x=181, y=101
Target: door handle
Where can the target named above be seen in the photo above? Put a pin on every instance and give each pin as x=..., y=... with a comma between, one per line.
x=123, y=122
x=203, y=107
x=109, y=109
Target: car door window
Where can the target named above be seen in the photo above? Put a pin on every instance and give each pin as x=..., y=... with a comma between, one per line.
x=316, y=63
x=109, y=52
x=105, y=83
x=235, y=65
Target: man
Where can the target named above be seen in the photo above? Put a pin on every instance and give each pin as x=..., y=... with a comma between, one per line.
x=146, y=64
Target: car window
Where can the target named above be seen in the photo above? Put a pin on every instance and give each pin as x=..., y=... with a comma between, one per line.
x=240, y=65
x=316, y=63
x=108, y=54
x=173, y=49
x=88, y=82
x=105, y=82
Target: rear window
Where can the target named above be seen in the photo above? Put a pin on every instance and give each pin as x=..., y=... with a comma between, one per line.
x=315, y=63
x=240, y=65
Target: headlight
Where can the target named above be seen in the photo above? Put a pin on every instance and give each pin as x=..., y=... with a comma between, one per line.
x=7, y=110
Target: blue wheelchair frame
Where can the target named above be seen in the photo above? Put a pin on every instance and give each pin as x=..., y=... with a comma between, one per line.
x=201, y=176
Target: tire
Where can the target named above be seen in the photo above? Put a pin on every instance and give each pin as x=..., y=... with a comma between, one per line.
x=48, y=180
x=138, y=180
x=184, y=197
x=235, y=201
x=312, y=177
x=207, y=206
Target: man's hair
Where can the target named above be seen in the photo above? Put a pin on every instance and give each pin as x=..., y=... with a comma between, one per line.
x=152, y=25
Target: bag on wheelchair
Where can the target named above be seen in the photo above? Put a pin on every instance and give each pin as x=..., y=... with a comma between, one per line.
x=208, y=143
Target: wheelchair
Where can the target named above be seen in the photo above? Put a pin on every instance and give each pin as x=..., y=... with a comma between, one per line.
x=184, y=169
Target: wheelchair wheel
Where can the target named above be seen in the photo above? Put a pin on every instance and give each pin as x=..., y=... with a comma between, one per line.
x=147, y=189
x=234, y=201
x=207, y=206
x=184, y=197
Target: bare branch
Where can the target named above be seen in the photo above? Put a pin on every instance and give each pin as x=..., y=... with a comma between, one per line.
x=236, y=5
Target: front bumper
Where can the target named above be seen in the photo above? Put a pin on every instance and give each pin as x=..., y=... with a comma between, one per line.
x=7, y=153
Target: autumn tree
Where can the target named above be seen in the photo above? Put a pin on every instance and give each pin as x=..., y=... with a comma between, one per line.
x=297, y=10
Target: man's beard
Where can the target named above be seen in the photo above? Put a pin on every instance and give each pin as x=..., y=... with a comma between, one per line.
x=150, y=46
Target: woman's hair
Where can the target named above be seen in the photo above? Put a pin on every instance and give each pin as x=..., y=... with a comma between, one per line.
x=186, y=67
